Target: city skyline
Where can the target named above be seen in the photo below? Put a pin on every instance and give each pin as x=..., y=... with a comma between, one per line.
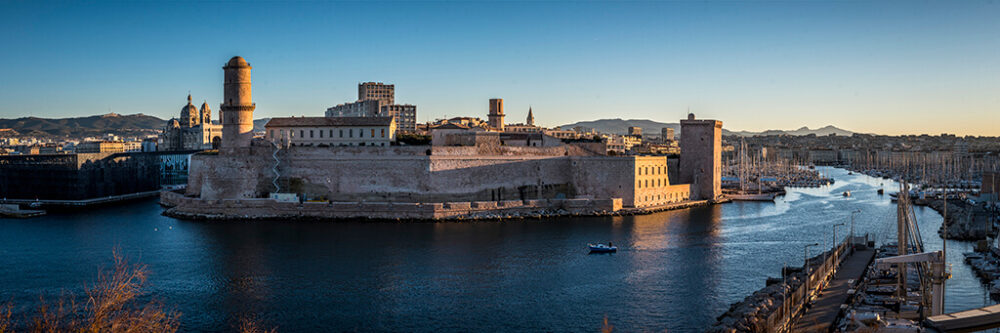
x=886, y=68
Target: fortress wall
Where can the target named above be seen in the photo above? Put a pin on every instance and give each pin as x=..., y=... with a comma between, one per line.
x=496, y=150
x=220, y=176
x=604, y=177
x=394, y=174
x=236, y=209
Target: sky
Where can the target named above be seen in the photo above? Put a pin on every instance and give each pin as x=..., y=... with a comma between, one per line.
x=884, y=67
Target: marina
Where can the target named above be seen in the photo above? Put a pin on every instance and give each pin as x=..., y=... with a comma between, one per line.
x=214, y=272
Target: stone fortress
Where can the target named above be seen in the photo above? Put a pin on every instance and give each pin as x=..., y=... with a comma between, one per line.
x=264, y=178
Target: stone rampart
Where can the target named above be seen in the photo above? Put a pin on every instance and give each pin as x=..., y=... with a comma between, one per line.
x=239, y=209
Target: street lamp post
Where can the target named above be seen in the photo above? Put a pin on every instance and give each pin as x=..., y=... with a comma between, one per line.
x=805, y=259
x=836, y=263
x=852, y=223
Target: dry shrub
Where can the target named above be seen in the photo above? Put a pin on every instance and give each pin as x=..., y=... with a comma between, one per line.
x=248, y=325
x=5, y=313
x=111, y=306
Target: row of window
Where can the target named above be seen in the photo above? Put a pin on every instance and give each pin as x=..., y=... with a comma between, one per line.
x=362, y=144
x=350, y=133
x=653, y=182
x=672, y=197
x=656, y=170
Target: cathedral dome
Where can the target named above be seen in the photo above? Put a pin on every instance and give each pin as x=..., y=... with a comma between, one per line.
x=237, y=61
x=190, y=115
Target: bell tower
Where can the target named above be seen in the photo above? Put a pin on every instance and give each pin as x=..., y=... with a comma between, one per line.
x=237, y=104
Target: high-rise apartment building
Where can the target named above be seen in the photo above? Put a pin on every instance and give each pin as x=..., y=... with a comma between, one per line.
x=377, y=91
x=376, y=99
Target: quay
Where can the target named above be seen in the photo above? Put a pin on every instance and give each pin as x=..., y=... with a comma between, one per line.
x=80, y=203
x=826, y=308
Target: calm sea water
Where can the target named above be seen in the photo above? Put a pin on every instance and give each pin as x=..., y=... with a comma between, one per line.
x=675, y=270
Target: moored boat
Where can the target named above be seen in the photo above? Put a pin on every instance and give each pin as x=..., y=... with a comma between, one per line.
x=601, y=248
x=752, y=196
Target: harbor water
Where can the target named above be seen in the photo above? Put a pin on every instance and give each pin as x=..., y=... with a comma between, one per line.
x=674, y=270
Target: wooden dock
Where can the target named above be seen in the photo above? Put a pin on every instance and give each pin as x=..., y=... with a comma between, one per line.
x=825, y=309
x=967, y=321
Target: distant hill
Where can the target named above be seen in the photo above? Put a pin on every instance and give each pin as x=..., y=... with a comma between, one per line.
x=89, y=126
x=82, y=126
x=620, y=126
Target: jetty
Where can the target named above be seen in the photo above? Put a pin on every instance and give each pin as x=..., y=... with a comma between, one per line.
x=15, y=211
x=80, y=203
x=825, y=309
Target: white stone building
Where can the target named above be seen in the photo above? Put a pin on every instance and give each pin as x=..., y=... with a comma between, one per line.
x=331, y=131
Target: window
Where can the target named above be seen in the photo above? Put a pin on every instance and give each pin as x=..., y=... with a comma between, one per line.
x=373, y=133
x=302, y=133
x=350, y=133
x=383, y=132
x=311, y=133
x=272, y=134
x=321, y=133
x=341, y=133
x=331, y=133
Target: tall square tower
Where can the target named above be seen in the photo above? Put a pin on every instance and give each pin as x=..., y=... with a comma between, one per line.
x=386, y=93
x=701, y=157
x=496, y=114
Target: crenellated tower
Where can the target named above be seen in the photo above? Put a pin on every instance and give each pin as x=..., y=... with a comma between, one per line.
x=237, y=105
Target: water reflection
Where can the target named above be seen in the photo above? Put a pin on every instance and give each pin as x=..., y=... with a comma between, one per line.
x=675, y=270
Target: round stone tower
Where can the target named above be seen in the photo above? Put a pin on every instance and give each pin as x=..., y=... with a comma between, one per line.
x=237, y=105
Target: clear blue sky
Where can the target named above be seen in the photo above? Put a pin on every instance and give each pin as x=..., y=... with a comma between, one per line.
x=885, y=67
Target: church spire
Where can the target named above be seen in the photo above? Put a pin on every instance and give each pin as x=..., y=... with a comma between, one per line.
x=531, y=117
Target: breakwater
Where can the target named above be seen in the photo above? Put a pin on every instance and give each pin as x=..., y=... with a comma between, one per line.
x=774, y=307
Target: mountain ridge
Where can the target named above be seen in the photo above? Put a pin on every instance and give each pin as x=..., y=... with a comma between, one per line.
x=620, y=126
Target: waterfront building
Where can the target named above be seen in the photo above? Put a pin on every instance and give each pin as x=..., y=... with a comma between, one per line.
x=823, y=156
x=331, y=131
x=100, y=147
x=376, y=99
x=192, y=130
x=82, y=176
x=496, y=114
x=635, y=131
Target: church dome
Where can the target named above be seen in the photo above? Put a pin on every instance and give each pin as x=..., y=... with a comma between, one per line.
x=190, y=115
x=237, y=61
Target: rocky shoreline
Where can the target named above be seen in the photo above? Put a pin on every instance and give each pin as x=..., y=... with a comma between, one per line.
x=477, y=216
x=965, y=221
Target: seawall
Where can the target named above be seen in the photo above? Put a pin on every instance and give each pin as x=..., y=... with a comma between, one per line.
x=183, y=207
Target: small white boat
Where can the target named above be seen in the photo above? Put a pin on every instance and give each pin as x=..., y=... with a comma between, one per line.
x=601, y=248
